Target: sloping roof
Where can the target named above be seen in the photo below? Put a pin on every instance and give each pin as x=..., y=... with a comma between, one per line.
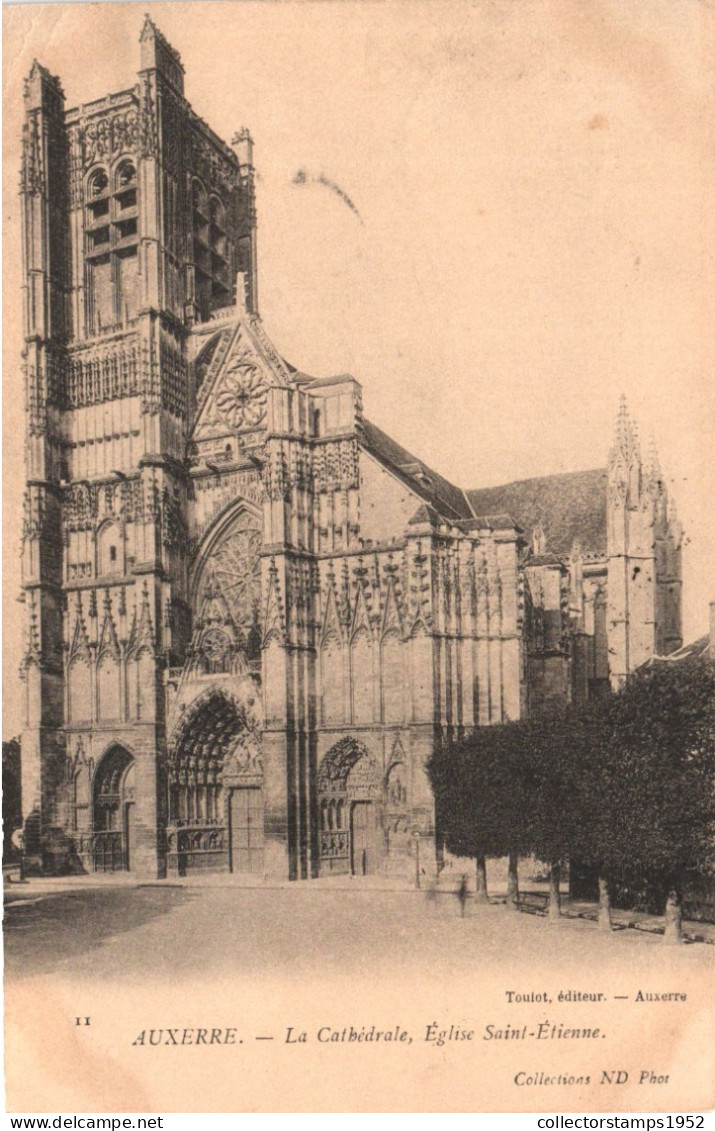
x=568, y=507
x=448, y=500
x=699, y=647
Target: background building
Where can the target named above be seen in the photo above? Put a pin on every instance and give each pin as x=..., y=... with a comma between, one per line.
x=250, y=613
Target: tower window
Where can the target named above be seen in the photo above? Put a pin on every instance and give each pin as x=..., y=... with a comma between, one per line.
x=112, y=247
x=99, y=237
x=126, y=229
x=126, y=175
x=127, y=199
x=98, y=183
x=112, y=553
x=211, y=250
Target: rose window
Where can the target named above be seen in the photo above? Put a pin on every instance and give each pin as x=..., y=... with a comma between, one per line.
x=242, y=398
x=215, y=645
x=236, y=571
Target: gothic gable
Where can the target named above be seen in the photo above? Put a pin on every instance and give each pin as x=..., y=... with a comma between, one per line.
x=234, y=373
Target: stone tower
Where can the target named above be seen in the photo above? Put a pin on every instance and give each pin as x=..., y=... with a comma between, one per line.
x=644, y=566
x=137, y=222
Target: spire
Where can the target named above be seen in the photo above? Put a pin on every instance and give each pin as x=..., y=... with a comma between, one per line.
x=653, y=462
x=624, y=460
x=625, y=442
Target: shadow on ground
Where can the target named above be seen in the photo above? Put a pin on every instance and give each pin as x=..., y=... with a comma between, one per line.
x=42, y=934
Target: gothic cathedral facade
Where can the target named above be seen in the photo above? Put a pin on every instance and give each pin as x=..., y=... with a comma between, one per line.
x=250, y=614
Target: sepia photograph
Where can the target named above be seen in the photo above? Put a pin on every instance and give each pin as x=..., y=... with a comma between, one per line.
x=358, y=556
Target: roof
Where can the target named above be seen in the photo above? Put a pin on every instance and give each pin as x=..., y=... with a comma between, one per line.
x=449, y=501
x=569, y=507
x=699, y=647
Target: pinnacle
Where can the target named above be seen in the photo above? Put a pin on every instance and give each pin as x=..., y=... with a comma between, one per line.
x=653, y=463
x=625, y=442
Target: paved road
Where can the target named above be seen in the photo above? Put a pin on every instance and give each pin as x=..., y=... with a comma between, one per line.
x=169, y=932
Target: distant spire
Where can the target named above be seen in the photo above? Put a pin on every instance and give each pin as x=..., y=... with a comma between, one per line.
x=626, y=438
x=653, y=460
x=624, y=462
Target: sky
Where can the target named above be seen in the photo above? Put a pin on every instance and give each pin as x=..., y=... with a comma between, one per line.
x=496, y=216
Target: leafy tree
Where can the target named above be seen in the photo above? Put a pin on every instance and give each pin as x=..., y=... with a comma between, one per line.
x=624, y=784
x=660, y=767
x=481, y=797
x=554, y=818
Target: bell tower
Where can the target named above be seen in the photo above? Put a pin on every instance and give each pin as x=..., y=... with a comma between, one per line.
x=137, y=221
x=644, y=567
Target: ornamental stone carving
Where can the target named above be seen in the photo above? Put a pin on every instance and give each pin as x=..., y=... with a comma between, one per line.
x=234, y=569
x=241, y=400
x=105, y=137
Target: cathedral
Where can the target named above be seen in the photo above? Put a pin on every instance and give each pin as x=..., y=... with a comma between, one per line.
x=251, y=615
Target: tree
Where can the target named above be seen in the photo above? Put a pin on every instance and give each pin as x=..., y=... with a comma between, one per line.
x=623, y=784
x=481, y=801
x=554, y=819
x=661, y=759
x=643, y=774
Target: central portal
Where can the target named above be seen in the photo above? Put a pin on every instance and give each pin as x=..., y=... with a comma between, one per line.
x=215, y=775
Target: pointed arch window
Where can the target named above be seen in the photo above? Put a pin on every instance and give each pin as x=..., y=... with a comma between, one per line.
x=397, y=786
x=332, y=683
x=211, y=252
x=393, y=679
x=110, y=549
x=422, y=676
x=362, y=678
x=111, y=235
x=79, y=687
x=108, y=687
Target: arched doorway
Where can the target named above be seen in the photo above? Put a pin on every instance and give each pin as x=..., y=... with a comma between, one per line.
x=351, y=819
x=113, y=799
x=215, y=774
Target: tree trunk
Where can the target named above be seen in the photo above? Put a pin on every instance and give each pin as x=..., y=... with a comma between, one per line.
x=555, y=892
x=673, y=934
x=604, y=905
x=481, y=895
x=512, y=883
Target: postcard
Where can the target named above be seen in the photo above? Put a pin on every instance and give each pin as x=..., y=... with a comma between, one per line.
x=357, y=407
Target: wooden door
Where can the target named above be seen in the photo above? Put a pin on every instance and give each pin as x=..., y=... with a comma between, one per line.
x=363, y=838
x=246, y=830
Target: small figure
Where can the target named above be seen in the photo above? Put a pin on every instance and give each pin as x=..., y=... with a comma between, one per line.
x=462, y=891
x=433, y=889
